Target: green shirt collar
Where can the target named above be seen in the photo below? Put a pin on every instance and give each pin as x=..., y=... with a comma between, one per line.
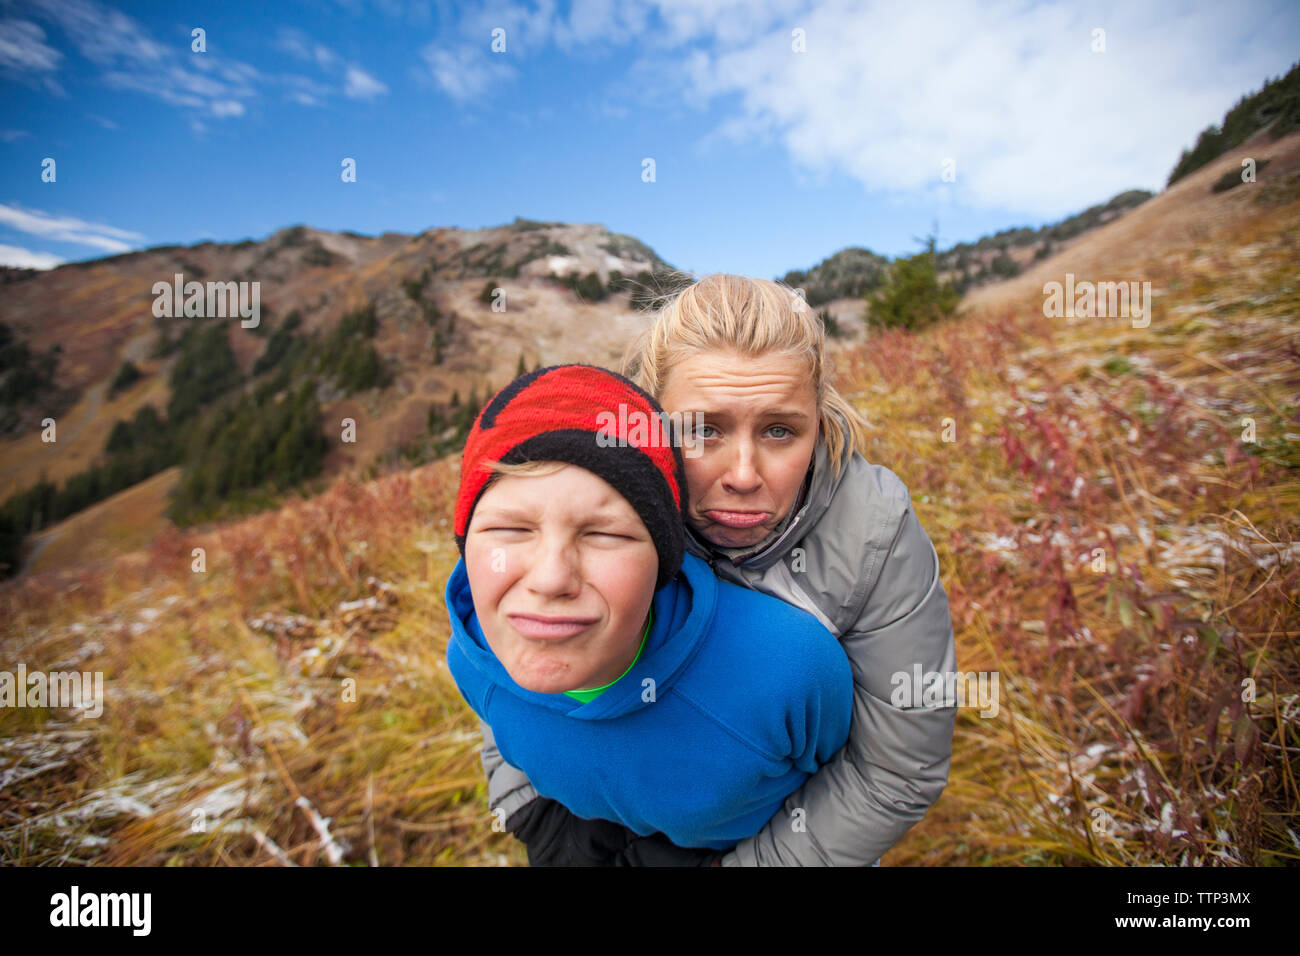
x=586, y=696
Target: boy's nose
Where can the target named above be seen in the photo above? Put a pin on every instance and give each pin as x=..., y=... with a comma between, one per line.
x=554, y=568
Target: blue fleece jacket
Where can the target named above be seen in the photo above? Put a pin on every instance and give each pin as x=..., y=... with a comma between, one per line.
x=737, y=699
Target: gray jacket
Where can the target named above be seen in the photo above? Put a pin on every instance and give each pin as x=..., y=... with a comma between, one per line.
x=857, y=558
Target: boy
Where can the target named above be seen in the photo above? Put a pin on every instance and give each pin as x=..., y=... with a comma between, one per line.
x=627, y=681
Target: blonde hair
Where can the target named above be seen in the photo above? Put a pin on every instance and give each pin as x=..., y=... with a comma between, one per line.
x=753, y=317
x=499, y=468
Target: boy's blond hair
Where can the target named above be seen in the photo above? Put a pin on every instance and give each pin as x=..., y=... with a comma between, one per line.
x=526, y=467
x=724, y=312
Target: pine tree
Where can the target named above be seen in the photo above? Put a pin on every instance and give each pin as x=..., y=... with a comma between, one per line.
x=912, y=296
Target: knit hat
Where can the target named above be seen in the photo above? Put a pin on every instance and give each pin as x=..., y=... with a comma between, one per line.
x=592, y=418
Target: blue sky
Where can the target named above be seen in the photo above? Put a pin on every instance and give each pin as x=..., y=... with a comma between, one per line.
x=780, y=132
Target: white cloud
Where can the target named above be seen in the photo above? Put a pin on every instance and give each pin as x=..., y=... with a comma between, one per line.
x=23, y=47
x=20, y=258
x=727, y=22
x=1036, y=122
x=298, y=44
x=305, y=91
x=603, y=21
x=464, y=73
x=357, y=83
x=131, y=59
x=526, y=31
x=220, y=95
x=100, y=33
x=360, y=85
x=68, y=229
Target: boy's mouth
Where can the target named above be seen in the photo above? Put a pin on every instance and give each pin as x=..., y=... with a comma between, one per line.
x=543, y=628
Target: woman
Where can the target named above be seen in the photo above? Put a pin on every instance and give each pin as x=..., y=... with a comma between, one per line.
x=781, y=499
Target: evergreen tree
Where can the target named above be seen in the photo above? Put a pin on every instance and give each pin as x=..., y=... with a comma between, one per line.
x=589, y=288
x=126, y=376
x=912, y=296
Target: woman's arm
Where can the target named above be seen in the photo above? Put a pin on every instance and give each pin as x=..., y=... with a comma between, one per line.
x=895, y=764
x=508, y=786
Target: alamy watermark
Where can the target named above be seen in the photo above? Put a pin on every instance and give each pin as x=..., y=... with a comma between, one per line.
x=1098, y=300
x=75, y=908
x=219, y=300
x=656, y=430
x=74, y=690
x=947, y=688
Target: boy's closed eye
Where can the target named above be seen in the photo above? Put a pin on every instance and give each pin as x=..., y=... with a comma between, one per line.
x=602, y=534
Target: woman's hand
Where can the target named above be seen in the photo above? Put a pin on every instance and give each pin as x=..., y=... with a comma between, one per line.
x=555, y=837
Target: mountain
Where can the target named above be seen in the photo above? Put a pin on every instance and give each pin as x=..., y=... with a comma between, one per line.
x=1007, y=253
x=850, y=273
x=397, y=333
x=370, y=353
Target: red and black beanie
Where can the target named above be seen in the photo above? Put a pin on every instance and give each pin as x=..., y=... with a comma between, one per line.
x=592, y=418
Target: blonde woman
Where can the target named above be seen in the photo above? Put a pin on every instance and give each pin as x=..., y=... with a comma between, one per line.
x=781, y=499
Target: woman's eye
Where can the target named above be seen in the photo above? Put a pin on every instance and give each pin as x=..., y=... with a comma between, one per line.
x=786, y=432
x=706, y=431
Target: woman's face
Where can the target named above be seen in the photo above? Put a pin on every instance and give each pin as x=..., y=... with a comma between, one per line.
x=760, y=430
x=563, y=572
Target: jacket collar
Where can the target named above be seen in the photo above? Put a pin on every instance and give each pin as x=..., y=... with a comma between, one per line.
x=821, y=489
x=683, y=619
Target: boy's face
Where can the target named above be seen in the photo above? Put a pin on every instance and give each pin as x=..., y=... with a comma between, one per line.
x=563, y=572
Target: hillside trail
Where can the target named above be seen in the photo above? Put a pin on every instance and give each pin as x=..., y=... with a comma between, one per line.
x=1188, y=212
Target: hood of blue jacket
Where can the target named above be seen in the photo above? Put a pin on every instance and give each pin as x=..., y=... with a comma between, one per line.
x=683, y=616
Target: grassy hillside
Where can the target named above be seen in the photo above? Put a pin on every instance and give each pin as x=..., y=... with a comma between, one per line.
x=1122, y=558
x=1113, y=546
x=1276, y=106
x=1110, y=544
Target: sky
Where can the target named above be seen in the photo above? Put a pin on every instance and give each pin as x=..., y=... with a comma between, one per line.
x=751, y=137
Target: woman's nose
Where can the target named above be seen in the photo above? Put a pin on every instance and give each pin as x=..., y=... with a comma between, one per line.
x=742, y=476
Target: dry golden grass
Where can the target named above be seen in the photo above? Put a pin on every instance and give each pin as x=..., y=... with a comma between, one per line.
x=229, y=732
x=1124, y=737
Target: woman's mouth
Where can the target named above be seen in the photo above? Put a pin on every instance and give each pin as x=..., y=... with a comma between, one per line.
x=738, y=519
x=549, y=628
